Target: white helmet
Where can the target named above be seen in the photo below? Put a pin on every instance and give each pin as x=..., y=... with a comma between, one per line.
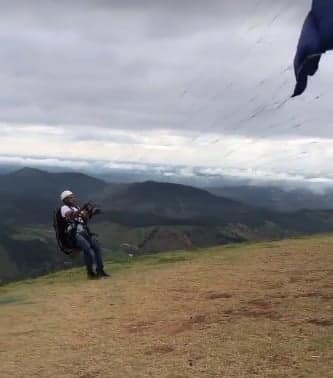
x=65, y=194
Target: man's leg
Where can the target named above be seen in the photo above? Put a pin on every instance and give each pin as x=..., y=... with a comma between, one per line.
x=88, y=253
x=98, y=255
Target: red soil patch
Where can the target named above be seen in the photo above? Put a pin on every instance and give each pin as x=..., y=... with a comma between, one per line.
x=315, y=294
x=160, y=349
x=186, y=325
x=139, y=327
x=321, y=322
x=218, y=296
x=257, y=308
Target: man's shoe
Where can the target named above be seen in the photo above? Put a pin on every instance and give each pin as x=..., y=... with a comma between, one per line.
x=104, y=274
x=92, y=276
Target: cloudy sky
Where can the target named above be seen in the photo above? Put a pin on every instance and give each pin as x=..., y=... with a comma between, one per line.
x=186, y=82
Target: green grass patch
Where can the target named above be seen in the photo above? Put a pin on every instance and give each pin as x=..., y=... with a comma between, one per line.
x=227, y=254
x=170, y=259
x=323, y=344
x=43, y=234
x=7, y=300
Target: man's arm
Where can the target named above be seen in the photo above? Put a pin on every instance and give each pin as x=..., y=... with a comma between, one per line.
x=72, y=215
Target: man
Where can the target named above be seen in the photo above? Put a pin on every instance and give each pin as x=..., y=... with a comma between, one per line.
x=84, y=240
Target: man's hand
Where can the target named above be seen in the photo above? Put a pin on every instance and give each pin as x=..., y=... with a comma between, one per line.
x=91, y=209
x=85, y=215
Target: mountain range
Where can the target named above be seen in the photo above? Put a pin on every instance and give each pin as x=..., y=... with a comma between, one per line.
x=277, y=198
x=156, y=216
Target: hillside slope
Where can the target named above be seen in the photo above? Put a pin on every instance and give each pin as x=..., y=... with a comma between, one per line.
x=36, y=183
x=260, y=310
x=29, y=196
x=277, y=199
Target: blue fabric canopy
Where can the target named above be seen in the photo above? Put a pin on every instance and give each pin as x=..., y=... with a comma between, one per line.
x=316, y=38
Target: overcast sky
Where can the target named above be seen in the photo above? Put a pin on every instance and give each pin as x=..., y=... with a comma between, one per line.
x=197, y=83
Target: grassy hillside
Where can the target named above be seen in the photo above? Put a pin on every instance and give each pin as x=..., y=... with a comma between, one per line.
x=236, y=311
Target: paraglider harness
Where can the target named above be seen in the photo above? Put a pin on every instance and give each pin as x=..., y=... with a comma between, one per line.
x=66, y=230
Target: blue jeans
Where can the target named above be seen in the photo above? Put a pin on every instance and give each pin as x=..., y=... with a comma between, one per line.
x=91, y=252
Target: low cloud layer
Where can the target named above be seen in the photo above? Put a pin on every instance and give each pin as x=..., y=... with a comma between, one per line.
x=247, y=157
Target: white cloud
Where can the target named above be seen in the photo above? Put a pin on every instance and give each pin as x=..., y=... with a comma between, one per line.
x=190, y=83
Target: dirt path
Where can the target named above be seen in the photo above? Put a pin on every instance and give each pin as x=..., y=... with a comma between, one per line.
x=262, y=310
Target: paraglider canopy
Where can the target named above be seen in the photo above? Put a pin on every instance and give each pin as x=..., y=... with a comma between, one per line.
x=316, y=39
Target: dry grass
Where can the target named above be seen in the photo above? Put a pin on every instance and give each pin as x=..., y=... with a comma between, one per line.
x=261, y=310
